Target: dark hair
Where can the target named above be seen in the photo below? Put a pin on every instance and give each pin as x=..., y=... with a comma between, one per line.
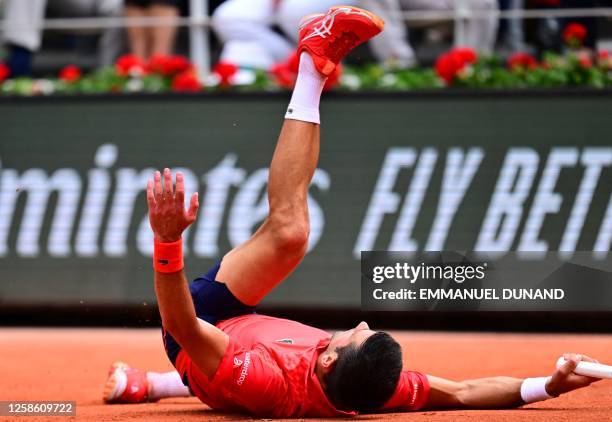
x=364, y=378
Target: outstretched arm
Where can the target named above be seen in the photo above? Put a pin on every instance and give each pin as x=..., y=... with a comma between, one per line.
x=203, y=342
x=501, y=392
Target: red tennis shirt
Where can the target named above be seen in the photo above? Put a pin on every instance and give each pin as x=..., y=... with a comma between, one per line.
x=269, y=370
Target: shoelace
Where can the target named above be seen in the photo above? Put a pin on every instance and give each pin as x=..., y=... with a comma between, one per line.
x=324, y=28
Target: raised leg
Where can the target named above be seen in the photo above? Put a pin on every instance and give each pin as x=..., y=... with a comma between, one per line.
x=254, y=268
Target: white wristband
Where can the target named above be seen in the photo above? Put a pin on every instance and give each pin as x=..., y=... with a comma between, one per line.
x=534, y=389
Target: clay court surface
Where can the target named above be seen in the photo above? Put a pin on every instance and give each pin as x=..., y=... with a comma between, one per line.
x=71, y=364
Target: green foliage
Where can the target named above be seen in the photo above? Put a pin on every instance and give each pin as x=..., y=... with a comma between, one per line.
x=570, y=70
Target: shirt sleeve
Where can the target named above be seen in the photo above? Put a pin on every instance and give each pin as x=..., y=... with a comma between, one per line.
x=251, y=379
x=411, y=393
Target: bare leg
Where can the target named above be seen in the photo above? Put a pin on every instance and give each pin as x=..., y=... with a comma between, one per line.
x=137, y=35
x=257, y=266
x=162, y=37
x=254, y=268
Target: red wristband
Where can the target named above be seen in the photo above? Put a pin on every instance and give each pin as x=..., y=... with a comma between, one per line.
x=168, y=257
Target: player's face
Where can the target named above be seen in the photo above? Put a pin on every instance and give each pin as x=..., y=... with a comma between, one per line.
x=356, y=336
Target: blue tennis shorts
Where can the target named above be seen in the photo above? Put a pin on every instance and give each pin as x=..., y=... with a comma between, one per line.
x=213, y=302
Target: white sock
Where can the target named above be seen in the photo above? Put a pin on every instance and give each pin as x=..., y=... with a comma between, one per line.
x=304, y=104
x=166, y=384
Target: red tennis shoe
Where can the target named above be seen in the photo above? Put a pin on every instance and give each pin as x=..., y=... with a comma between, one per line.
x=126, y=385
x=329, y=37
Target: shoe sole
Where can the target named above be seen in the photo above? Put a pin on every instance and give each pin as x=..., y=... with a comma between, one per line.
x=115, y=386
x=116, y=382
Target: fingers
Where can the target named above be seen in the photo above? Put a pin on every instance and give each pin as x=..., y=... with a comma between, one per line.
x=194, y=204
x=157, y=193
x=580, y=381
x=168, y=193
x=180, y=191
x=150, y=195
x=572, y=356
x=590, y=380
x=157, y=186
x=588, y=359
x=579, y=357
x=568, y=367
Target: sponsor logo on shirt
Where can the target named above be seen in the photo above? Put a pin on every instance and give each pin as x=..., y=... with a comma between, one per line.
x=415, y=393
x=245, y=368
x=237, y=362
x=285, y=340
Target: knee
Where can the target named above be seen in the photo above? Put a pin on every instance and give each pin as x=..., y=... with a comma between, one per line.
x=290, y=232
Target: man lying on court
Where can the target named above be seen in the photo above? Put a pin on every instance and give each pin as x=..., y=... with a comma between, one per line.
x=236, y=360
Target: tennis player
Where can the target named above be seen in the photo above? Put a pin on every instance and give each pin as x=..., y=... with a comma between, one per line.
x=236, y=360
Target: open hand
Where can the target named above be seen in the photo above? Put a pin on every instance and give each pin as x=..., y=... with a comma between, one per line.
x=167, y=213
x=564, y=379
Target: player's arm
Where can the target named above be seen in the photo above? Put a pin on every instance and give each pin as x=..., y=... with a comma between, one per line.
x=495, y=392
x=502, y=392
x=203, y=342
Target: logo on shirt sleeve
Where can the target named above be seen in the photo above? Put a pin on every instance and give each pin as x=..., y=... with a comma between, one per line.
x=245, y=368
x=415, y=393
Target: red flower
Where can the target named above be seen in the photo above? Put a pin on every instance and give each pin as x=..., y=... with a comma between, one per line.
x=4, y=72
x=574, y=34
x=129, y=65
x=283, y=77
x=585, y=62
x=225, y=71
x=70, y=74
x=186, y=81
x=450, y=64
x=467, y=55
x=521, y=61
x=285, y=73
x=168, y=65
x=447, y=67
x=179, y=64
x=293, y=62
x=603, y=59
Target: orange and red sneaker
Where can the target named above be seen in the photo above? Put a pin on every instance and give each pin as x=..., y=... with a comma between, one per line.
x=126, y=385
x=329, y=37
